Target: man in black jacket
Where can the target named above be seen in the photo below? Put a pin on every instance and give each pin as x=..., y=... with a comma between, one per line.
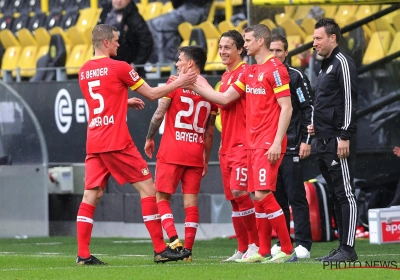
x=290, y=186
x=135, y=39
x=334, y=127
x=164, y=28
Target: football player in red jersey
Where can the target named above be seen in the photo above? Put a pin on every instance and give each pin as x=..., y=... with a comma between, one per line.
x=268, y=112
x=189, y=125
x=110, y=150
x=233, y=149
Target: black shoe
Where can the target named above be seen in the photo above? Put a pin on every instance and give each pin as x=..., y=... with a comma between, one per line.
x=331, y=253
x=168, y=255
x=92, y=260
x=343, y=256
x=186, y=255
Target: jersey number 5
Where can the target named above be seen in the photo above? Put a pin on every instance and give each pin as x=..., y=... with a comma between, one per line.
x=189, y=112
x=96, y=96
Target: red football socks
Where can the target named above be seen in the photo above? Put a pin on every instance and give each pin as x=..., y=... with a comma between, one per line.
x=84, y=226
x=152, y=222
x=264, y=230
x=167, y=219
x=240, y=229
x=278, y=222
x=246, y=207
x=191, y=224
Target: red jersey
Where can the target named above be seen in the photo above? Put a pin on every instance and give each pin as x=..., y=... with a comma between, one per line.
x=263, y=85
x=185, y=123
x=104, y=83
x=233, y=117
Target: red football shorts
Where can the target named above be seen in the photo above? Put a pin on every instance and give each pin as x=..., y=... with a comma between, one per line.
x=262, y=174
x=126, y=166
x=168, y=176
x=234, y=172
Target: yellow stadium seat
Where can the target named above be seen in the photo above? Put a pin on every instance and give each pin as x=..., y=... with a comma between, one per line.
x=269, y=23
x=395, y=46
x=389, y=17
x=290, y=10
x=280, y=18
x=292, y=28
x=27, y=61
x=8, y=39
x=378, y=47
x=308, y=25
x=76, y=59
x=59, y=30
x=240, y=25
x=330, y=10
x=167, y=7
x=225, y=26
x=301, y=12
x=381, y=24
x=153, y=10
x=88, y=18
x=141, y=8
x=10, y=58
x=212, y=36
x=396, y=22
x=215, y=65
x=43, y=50
x=26, y=38
x=345, y=11
x=42, y=36
x=185, y=29
x=363, y=12
x=293, y=42
x=89, y=53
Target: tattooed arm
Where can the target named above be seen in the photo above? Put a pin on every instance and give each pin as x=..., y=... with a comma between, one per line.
x=155, y=123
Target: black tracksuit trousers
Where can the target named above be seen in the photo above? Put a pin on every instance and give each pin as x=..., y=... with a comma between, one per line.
x=339, y=176
x=290, y=191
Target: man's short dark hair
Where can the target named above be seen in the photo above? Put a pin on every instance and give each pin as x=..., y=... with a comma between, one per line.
x=195, y=53
x=102, y=32
x=281, y=38
x=236, y=37
x=331, y=27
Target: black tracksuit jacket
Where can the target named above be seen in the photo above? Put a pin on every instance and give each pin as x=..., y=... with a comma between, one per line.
x=335, y=98
x=301, y=96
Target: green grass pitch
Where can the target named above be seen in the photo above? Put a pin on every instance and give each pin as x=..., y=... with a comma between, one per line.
x=54, y=258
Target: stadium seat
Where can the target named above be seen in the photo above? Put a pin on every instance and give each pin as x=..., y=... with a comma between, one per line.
x=6, y=6
x=69, y=19
x=26, y=38
x=153, y=10
x=292, y=28
x=10, y=58
x=53, y=19
x=293, y=42
x=377, y=47
x=301, y=12
x=167, y=7
x=212, y=37
x=308, y=25
x=396, y=22
x=215, y=65
x=389, y=17
x=280, y=18
x=269, y=23
x=8, y=39
x=395, y=46
x=19, y=23
x=76, y=59
x=185, y=29
x=290, y=10
x=88, y=18
x=27, y=61
x=36, y=21
x=330, y=10
x=54, y=57
x=345, y=11
x=381, y=24
x=363, y=12
x=225, y=25
x=42, y=36
x=239, y=27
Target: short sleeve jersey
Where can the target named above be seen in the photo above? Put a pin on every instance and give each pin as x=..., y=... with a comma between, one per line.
x=263, y=84
x=104, y=83
x=185, y=123
x=233, y=117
